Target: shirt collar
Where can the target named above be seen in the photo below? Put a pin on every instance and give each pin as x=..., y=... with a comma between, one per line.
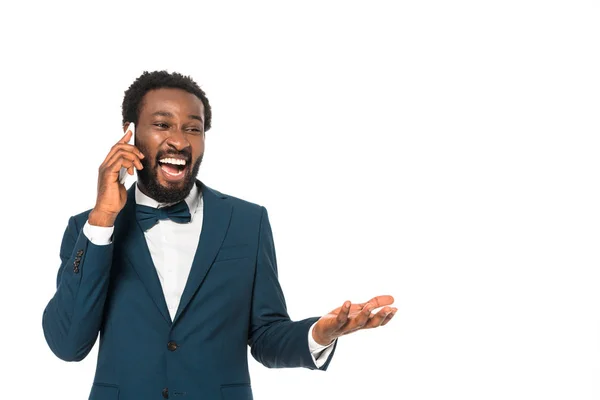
x=193, y=199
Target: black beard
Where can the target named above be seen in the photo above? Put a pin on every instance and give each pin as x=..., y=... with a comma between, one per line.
x=148, y=178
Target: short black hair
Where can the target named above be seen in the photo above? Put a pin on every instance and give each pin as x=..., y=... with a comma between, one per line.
x=160, y=79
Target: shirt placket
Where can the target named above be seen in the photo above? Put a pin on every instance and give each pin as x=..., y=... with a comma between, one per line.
x=170, y=270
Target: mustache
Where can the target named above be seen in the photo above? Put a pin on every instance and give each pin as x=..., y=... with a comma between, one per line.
x=185, y=154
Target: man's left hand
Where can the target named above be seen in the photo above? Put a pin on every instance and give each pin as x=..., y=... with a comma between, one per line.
x=353, y=317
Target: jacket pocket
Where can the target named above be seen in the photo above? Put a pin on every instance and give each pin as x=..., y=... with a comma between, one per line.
x=233, y=252
x=241, y=391
x=104, y=391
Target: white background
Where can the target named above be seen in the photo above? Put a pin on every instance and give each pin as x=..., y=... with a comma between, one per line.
x=442, y=152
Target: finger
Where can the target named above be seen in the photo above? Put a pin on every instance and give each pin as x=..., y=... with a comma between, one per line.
x=377, y=319
x=342, y=316
x=122, y=163
x=380, y=301
x=122, y=146
x=112, y=171
x=129, y=147
x=126, y=137
x=388, y=318
x=125, y=155
x=363, y=317
x=125, y=161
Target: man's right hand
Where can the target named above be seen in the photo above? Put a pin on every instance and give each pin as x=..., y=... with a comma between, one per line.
x=112, y=195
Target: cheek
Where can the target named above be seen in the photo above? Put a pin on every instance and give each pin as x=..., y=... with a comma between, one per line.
x=198, y=149
x=148, y=164
x=147, y=148
x=150, y=158
x=149, y=139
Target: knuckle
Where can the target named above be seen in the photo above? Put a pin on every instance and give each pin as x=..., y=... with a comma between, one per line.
x=121, y=152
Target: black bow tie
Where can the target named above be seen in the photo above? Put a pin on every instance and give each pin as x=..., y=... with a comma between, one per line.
x=149, y=216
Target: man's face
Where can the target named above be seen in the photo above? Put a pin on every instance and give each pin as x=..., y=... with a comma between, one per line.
x=170, y=133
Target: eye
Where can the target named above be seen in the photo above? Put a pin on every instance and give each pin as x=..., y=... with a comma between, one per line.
x=161, y=125
x=194, y=130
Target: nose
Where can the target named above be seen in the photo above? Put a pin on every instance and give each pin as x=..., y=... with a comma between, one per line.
x=177, y=139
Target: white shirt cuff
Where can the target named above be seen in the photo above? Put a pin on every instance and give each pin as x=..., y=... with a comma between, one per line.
x=319, y=353
x=98, y=235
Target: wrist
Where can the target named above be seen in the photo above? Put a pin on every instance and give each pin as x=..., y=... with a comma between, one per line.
x=319, y=339
x=100, y=218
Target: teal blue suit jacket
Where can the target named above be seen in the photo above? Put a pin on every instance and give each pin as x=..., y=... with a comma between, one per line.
x=232, y=299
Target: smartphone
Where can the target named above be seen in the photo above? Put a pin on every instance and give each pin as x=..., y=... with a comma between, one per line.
x=123, y=172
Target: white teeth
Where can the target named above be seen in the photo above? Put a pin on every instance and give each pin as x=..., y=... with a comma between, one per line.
x=174, y=161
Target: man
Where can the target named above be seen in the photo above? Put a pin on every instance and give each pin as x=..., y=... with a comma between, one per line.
x=177, y=277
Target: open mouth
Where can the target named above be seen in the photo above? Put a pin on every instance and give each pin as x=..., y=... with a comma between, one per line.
x=173, y=168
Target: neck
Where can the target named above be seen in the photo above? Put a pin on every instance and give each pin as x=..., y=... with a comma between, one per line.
x=143, y=188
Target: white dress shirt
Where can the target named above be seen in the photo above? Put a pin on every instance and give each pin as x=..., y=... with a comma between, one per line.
x=172, y=246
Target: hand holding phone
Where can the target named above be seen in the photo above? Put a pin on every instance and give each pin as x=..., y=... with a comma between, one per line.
x=112, y=194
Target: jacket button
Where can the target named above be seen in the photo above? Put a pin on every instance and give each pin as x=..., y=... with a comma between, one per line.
x=165, y=393
x=76, y=270
x=76, y=262
x=79, y=253
x=172, y=346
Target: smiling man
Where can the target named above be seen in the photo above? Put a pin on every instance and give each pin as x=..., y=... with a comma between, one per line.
x=176, y=277
x=162, y=109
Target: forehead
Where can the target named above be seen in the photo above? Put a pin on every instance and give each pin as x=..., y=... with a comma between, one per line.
x=176, y=101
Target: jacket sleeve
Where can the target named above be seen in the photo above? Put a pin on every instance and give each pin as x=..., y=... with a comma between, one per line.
x=275, y=340
x=72, y=319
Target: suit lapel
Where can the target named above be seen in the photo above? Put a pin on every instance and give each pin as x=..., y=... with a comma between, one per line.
x=130, y=239
x=216, y=217
x=130, y=236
